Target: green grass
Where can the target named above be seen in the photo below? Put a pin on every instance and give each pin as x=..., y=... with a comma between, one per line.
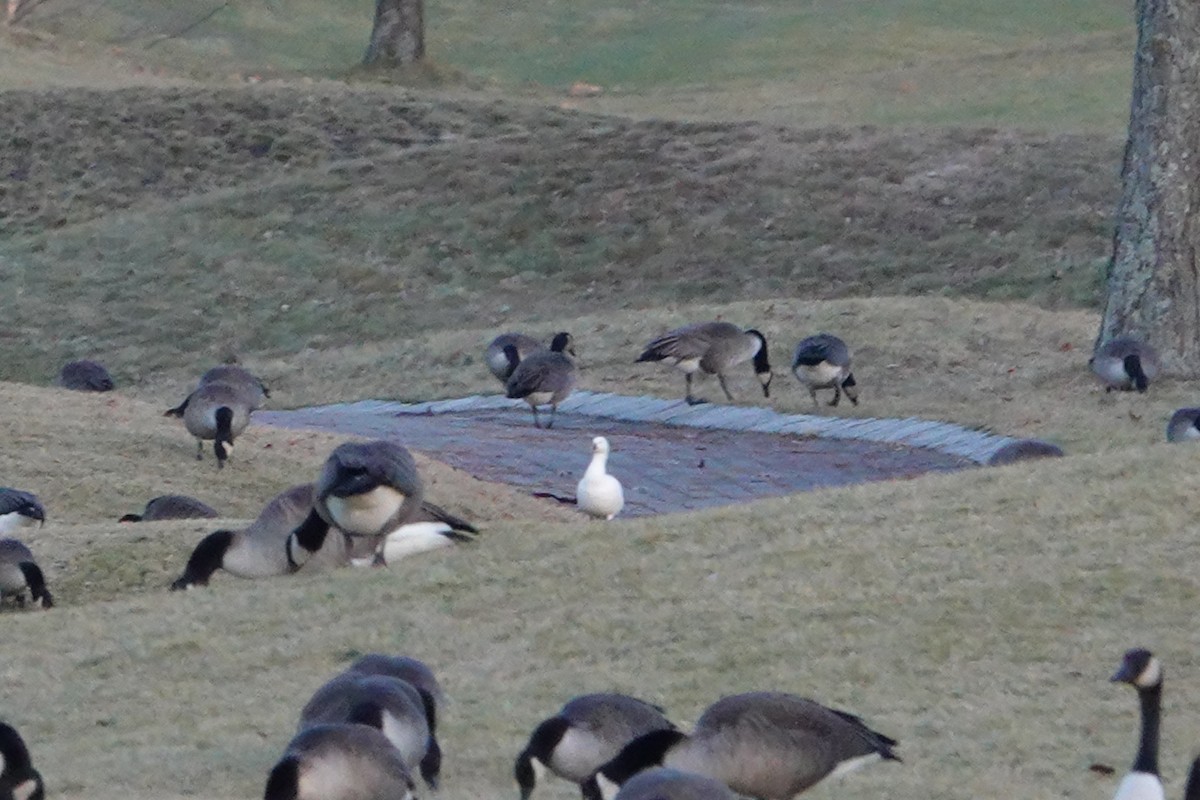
x=912, y=62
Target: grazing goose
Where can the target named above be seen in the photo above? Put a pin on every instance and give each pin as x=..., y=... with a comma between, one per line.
x=598, y=493
x=249, y=384
x=1144, y=672
x=172, y=506
x=823, y=362
x=1184, y=425
x=661, y=783
x=19, y=573
x=585, y=733
x=366, y=490
x=713, y=348
x=265, y=548
x=85, y=376
x=340, y=762
x=498, y=361
x=405, y=668
x=1125, y=363
x=768, y=745
x=545, y=377
x=1024, y=450
x=217, y=413
x=18, y=779
x=19, y=509
x=400, y=711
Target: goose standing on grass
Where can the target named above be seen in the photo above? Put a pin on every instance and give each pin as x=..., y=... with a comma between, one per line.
x=85, y=376
x=661, y=783
x=340, y=762
x=585, y=733
x=20, y=509
x=217, y=413
x=713, y=348
x=1184, y=425
x=366, y=490
x=172, y=506
x=823, y=362
x=768, y=745
x=265, y=548
x=396, y=708
x=1125, y=363
x=546, y=377
x=18, y=779
x=1140, y=669
x=598, y=493
x=19, y=573
x=498, y=361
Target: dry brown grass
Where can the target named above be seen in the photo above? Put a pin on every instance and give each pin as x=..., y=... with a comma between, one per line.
x=975, y=616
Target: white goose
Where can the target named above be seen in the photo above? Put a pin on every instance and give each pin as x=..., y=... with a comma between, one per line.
x=598, y=493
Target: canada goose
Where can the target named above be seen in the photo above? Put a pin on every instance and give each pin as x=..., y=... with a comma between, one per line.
x=598, y=493
x=498, y=361
x=430, y=527
x=1144, y=672
x=19, y=572
x=1184, y=425
x=768, y=745
x=85, y=376
x=823, y=362
x=713, y=348
x=249, y=384
x=172, y=506
x=1125, y=363
x=400, y=711
x=585, y=733
x=661, y=783
x=265, y=547
x=366, y=489
x=405, y=668
x=1024, y=450
x=545, y=377
x=340, y=762
x=217, y=413
x=19, y=509
x=18, y=779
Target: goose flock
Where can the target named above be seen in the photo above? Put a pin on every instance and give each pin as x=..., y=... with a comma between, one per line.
x=371, y=730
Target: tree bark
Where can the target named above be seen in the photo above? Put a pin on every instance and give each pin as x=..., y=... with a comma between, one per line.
x=1153, y=278
x=398, y=37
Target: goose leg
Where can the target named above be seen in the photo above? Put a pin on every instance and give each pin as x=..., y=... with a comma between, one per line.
x=837, y=395
x=691, y=401
x=536, y=422
x=553, y=411
x=724, y=388
x=199, y=450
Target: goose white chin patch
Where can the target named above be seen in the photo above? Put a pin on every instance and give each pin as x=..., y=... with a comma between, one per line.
x=1150, y=676
x=608, y=789
x=13, y=521
x=25, y=790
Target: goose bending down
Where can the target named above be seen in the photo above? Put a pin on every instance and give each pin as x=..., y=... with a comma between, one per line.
x=498, y=360
x=366, y=490
x=1140, y=669
x=400, y=711
x=18, y=779
x=661, y=783
x=340, y=762
x=585, y=733
x=1184, y=425
x=264, y=548
x=823, y=362
x=713, y=348
x=172, y=506
x=85, y=376
x=1024, y=450
x=768, y=745
x=20, y=509
x=546, y=377
x=405, y=668
x=19, y=573
x=1125, y=363
x=598, y=493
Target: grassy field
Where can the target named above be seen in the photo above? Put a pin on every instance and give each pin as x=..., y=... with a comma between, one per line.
x=933, y=180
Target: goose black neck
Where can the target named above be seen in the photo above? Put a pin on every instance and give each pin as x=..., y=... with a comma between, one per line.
x=761, y=362
x=206, y=559
x=1147, y=754
x=1133, y=368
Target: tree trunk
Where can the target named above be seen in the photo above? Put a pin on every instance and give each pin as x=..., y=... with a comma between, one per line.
x=398, y=37
x=1153, y=278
